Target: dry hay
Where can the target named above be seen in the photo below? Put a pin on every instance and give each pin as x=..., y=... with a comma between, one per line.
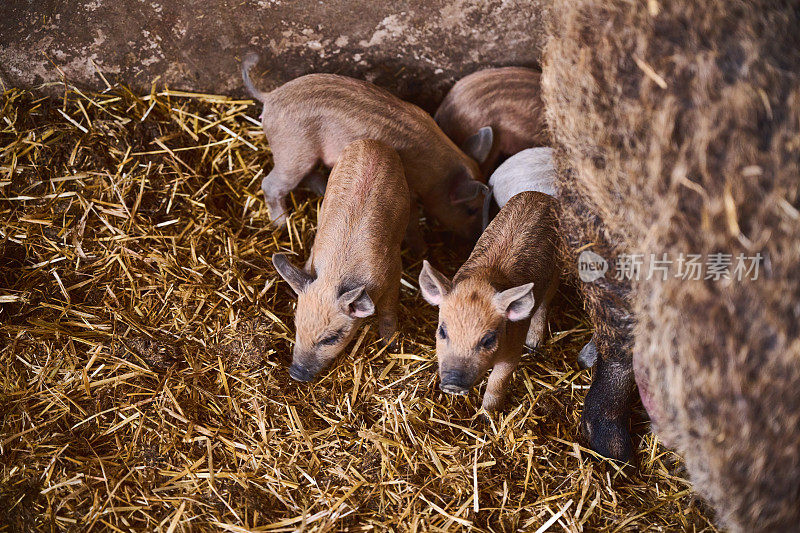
x=144, y=340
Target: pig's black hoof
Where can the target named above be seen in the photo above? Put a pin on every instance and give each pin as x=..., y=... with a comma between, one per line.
x=608, y=437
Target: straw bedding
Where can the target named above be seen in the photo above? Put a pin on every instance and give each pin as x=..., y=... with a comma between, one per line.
x=144, y=341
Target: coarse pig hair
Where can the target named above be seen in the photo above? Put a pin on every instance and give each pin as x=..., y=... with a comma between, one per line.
x=677, y=129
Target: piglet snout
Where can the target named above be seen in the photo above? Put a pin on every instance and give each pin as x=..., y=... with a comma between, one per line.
x=455, y=382
x=301, y=373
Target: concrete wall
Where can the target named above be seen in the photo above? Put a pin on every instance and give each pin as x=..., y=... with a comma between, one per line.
x=416, y=48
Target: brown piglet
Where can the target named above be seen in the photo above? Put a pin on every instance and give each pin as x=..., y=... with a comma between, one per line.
x=485, y=311
x=354, y=269
x=309, y=120
x=506, y=99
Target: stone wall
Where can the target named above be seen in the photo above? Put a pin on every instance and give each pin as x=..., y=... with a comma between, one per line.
x=415, y=48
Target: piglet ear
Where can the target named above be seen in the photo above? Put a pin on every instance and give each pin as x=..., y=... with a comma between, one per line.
x=479, y=144
x=433, y=284
x=297, y=279
x=357, y=303
x=464, y=190
x=516, y=303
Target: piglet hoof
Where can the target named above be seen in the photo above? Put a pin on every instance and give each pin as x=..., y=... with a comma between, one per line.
x=533, y=350
x=607, y=436
x=492, y=403
x=279, y=222
x=483, y=417
x=391, y=345
x=277, y=215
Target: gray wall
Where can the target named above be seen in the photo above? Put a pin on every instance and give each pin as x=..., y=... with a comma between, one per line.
x=415, y=48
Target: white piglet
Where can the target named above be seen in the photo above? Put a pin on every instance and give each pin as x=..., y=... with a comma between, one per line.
x=528, y=170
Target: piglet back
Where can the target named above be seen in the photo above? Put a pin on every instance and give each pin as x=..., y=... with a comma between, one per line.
x=366, y=206
x=519, y=246
x=508, y=99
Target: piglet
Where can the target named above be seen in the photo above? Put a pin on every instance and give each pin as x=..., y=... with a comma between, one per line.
x=485, y=311
x=354, y=269
x=506, y=99
x=310, y=120
x=529, y=170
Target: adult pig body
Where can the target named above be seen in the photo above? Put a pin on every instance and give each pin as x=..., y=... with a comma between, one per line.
x=676, y=128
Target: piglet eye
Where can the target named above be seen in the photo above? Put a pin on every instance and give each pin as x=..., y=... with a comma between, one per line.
x=489, y=340
x=330, y=339
x=472, y=211
x=442, y=331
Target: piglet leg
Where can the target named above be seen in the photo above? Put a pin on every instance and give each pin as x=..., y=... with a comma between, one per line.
x=414, y=238
x=499, y=381
x=539, y=319
x=387, y=310
x=281, y=180
x=315, y=182
x=275, y=196
x=536, y=329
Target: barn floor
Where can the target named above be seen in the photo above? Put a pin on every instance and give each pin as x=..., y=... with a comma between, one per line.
x=144, y=342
